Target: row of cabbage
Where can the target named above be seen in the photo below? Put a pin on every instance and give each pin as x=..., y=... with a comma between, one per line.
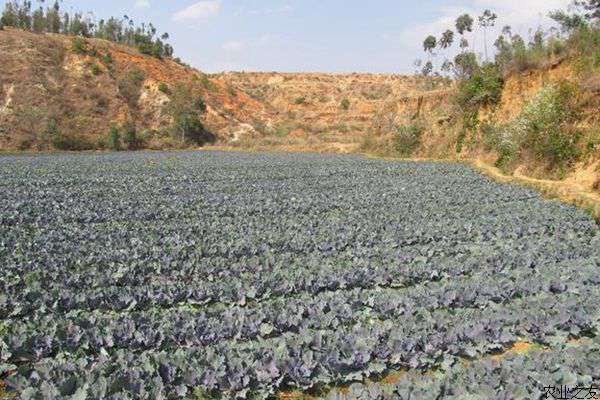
x=174, y=275
x=566, y=371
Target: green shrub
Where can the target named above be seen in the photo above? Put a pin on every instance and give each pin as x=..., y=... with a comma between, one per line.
x=231, y=91
x=345, y=104
x=130, y=136
x=592, y=145
x=545, y=128
x=185, y=108
x=207, y=83
x=470, y=122
x=284, y=129
x=95, y=69
x=163, y=87
x=407, y=138
x=192, y=130
x=200, y=105
x=24, y=144
x=79, y=45
x=500, y=139
x=114, y=139
x=129, y=86
x=484, y=87
x=72, y=142
x=300, y=100
x=585, y=41
x=547, y=122
x=107, y=58
x=50, y=132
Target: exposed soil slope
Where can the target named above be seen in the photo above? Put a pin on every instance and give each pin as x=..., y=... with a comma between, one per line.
x=333, y=108
x=43, y=77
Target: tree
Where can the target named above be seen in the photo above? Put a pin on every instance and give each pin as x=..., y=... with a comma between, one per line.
x=10, y=15
x=418, y=64
x=464, y=24
x=465, y=64
x=592, y=7
x=185, y=108
x=18, y=14
x=429, y=44
x=38, y=24
x=487, y=20
x=504, y=49
x=464, y=44
x=427, y=68
x=537, y=41
x=23, y=14
x=53, y=22
x=447, y=39
x=447, y=66
x=568, y=22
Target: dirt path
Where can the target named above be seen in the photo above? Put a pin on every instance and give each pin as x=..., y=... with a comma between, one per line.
x=570, y=190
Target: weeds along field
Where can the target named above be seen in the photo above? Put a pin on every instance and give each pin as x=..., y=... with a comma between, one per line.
x=204, y=275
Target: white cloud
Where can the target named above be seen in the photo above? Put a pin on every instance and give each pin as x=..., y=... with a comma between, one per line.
x=265, y=11
x=142, y=3
x=199, y=10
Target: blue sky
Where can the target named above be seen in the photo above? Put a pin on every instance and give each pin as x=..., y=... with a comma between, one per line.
x=311, y=35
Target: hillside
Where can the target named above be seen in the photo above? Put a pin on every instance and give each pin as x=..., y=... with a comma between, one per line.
x=332, y=111
x=85, y=87
x=417, y=117
x=53, y=86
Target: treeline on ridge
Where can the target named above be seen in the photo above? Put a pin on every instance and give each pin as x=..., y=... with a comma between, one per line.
x=548, y=128
x=42, y=18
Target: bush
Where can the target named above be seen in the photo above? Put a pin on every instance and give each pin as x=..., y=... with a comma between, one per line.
x=200, y=105
x=164, y=88
x=484, y=87
x=130, y=85
x=407, y=138
x=130, y=138
x=545, y=128
x=95, y=69
x=345, y=104
x=114, y=139
x=192, y=130
x=185, y=108
x=71, y=142
x=79, y=45
x=300, y=100
x=284, y=129
x=547, y=122
x=470, y=122
x=499, y=139
x=107, y=58
x=585, y=41
x=207, y=83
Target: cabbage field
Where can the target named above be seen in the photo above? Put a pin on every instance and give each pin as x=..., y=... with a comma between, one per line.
x=207, y=275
